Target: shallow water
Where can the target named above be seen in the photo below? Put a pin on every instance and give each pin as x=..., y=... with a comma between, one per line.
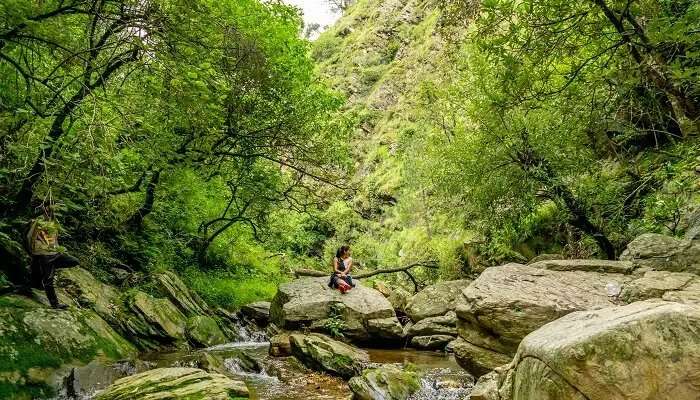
x=284, y=378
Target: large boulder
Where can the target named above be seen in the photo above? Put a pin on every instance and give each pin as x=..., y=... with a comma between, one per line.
x=644, y=351
x=398, y=297
x=309, y=302
x=387, y=382
x=385, y=329
x=321, y=353
x=174, y=383
x=475, y=359
x=435, y=300
x=664, y=253
x=39, y=346
x=677, y=286
x=506, y=303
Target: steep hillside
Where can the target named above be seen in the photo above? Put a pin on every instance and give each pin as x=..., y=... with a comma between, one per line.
x=383, y=55
x=447, y=131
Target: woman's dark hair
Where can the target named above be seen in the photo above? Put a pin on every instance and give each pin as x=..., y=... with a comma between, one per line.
x=341, y=250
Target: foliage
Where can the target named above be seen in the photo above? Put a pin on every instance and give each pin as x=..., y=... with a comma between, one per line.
x=335, y=324
x=505, y=129
x=169, y=134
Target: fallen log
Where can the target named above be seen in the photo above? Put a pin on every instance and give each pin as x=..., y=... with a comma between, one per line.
x=426, y=264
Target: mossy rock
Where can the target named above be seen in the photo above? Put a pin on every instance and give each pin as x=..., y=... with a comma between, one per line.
x=385, y=383
x=175, y=383
x=39, y=345
x=322, y=353
x=89, y=292
x=202, y=331
x=179, y=294
x=162, y=315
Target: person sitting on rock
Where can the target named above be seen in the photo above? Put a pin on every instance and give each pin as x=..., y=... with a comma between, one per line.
x=342, y=264
x=47, y=254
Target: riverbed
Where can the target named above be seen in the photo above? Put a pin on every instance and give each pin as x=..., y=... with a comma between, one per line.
x=284, y=378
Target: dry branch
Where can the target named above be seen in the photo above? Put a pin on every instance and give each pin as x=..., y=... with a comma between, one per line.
x=426, y=264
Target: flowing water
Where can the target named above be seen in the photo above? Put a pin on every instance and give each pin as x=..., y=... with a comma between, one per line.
x=284, y=378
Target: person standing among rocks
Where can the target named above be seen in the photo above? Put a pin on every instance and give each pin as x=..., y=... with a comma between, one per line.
x=47, y=254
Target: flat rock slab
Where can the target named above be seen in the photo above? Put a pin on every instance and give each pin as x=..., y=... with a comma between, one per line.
x=441, y=325
x=161, y=314
x=174, y=383
x=615, y=267
x=433, y=342
x=179, y=294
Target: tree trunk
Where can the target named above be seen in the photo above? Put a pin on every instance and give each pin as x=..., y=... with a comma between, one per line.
x=136, y=219
x=650, y=64
x=26, y=191
x=538, y=167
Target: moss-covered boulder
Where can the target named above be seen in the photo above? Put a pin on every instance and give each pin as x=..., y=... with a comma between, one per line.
x=175, y=383
x=322, y=353
x=643, y=351
x=163, y=319
x=179, y=294
x=39, y=346
x=202, y=331
x=385, y=383
x=89, y=292
x=435, y=300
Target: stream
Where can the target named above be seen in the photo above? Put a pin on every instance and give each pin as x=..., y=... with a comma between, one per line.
x=284, y=378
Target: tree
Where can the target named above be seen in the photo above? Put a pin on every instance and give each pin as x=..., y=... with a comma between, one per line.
x=133, y=94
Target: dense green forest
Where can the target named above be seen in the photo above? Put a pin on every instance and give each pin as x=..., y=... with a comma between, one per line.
x=211, y=138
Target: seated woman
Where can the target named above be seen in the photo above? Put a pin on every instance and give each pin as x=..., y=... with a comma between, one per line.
x=342, y=264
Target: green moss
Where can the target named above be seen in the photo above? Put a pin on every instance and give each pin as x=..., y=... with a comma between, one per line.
x=18, y=352
x=341, y=361
x=25, y=392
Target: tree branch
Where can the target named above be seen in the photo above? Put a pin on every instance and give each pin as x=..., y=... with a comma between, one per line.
x=426, y=264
